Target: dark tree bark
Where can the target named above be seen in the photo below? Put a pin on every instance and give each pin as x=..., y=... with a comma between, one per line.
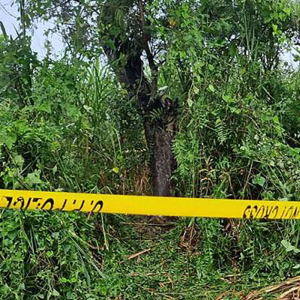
x=160, y=134
x=163, y=161
x=159, y=131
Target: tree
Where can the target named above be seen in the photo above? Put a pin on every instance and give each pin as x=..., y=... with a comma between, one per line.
x=154, y=47
x=124, y=33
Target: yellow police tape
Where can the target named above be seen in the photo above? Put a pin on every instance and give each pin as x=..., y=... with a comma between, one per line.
x=150, y=205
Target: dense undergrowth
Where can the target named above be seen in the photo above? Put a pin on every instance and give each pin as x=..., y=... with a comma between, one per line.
x=69, y=125
x=60, y=143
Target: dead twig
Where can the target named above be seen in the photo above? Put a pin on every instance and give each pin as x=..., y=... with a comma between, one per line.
x=132, y=256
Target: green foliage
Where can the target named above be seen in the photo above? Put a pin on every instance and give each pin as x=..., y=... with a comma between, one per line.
x=69, y=125
x=234, y=105
x=43, y=257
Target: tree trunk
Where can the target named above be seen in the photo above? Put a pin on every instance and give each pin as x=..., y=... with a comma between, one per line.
x=162, y=162
x=160, y=131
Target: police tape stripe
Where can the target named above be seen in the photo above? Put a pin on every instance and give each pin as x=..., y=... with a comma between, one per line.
x=150, y=205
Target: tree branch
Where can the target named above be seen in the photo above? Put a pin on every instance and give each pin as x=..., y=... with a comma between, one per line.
x=150, y=57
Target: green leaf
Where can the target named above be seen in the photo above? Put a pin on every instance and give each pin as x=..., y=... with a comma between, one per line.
x=275, y=29
x=258, y=179
x=211, y=67
x=44, y=106
x=243, y=70
x=211, y=88
x=296, y=266
x=196, y=90
x=55, y=293
x=21, y=126
x=19, y=160
x=50, y=253
x=54, y=169
x=276, y=120
x=33, y=178
x=116, y=170
x=8, y=138
x=226, y=98
x=3, y=30
x=288, y=246
x=287, y=10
